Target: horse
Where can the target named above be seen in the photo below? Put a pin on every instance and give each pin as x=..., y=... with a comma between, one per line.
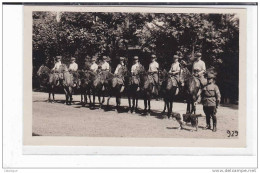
x=146, y=85
x=117, y=87
x=191, y=89
x=86, y=84
x=67, y=82
x=163, y=78
x=102, y=85
x=133, y=89
x=49, y=79
x=170, y=87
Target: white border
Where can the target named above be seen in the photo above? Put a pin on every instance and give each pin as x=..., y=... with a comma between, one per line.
x=13, y=96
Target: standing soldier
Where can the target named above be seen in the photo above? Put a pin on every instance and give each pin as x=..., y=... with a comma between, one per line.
x=175, y=71
x=94, y=66
x=210, y=100
x=57, y=64
x=105, y=66
x=153, y=71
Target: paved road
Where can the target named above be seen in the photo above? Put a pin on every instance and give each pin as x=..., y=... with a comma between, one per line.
x=58, y=119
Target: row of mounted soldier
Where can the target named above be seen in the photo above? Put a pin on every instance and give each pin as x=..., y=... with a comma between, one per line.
x=97, y=80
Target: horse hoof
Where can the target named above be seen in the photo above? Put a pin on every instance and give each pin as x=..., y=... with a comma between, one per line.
x=129, y=112
x=133, y=112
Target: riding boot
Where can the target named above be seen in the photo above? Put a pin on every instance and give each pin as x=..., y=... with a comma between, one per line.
x=214, y=123
x=214, y=127
x=208, y=126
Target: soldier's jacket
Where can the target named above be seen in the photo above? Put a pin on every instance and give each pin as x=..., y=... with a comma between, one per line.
x=210, y=95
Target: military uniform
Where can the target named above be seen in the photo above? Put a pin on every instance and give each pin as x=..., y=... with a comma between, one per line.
x=120, y=65
x=57, y=64
x=105, y=66
x=153, y=71
x=120, y=78
x=73, y=67
x=94, y=66
x=210, y=99
x=198, y=70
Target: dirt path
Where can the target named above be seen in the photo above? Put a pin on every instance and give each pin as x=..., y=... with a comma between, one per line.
x=57, y=119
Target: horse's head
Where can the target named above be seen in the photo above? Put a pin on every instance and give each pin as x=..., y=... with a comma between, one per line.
x=184, y=75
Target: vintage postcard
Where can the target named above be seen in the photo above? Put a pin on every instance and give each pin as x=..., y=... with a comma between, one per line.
x=134, y=76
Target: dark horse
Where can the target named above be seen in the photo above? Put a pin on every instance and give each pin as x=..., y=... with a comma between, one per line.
x=146, y=84
x=118, y=85
x=86, y=85
x=170, y=89
x=191, y=89
x=49, y=80
x=67, y=82
x=101, y=86
x=133, y=89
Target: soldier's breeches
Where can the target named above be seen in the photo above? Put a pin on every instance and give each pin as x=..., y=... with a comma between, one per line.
x=210, y=112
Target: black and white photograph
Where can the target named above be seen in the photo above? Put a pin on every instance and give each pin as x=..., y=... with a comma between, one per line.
x=136, y=74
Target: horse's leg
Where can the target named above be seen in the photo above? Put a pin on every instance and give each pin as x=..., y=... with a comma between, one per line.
x=49, y=96
x=129, y=104
x=89, y=97
x=136, y=104
x=149, y=106
x=164, y=107
x=133, y=104
x=145, y=105
x=94, y=99
x=170, y=109
x=81, y=97
x=188, y=107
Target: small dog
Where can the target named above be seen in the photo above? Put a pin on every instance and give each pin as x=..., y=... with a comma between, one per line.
x=186, y=118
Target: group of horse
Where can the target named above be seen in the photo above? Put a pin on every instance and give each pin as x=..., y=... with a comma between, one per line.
x=138, y=85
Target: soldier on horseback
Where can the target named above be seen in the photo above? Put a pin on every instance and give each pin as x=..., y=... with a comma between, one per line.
x=105, y=66
x=175, y=71
x=119, y=66
x=73, y=67
x=198, y=70
x=57, y=64
x=135, y=67
x=153, y=72
x=56, y=69
x=210, y=99
x=94, y=66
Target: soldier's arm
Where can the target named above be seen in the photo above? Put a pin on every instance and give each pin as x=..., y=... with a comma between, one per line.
x=218, y=95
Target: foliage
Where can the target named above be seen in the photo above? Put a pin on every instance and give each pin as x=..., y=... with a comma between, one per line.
x=84, y=35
